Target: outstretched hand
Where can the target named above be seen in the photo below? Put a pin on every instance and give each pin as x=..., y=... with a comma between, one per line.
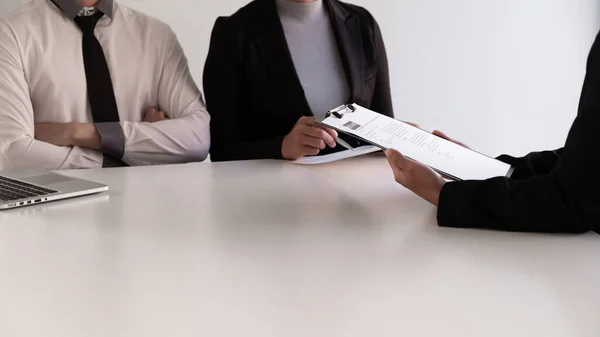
x=418, y=178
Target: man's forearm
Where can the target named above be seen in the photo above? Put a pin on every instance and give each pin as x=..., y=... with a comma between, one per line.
x=68, y=134
x=182, y=140
x=86, y=135
x=106, y=139
x=30, y=153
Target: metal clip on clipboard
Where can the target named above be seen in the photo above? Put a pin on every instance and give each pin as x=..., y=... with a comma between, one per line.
x=340, y=111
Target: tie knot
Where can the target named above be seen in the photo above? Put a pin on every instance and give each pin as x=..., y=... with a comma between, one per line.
x=88, y=23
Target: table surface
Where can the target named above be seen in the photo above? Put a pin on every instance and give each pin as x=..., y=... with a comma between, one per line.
x=272, y=249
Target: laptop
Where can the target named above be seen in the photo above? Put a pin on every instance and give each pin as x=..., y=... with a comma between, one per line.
x=25, y=189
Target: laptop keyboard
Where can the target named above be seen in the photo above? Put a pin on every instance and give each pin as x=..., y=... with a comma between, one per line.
x=11, y=189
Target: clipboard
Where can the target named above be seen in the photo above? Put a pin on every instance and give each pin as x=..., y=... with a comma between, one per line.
x=443, y=156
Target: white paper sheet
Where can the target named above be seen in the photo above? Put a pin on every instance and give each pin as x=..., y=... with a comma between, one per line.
x=315, y=160
x=422, y=146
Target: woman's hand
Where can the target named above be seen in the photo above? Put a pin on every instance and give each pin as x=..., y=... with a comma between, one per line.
x=307, y=138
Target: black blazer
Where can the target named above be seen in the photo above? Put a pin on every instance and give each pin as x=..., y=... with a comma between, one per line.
x=553, y=191
x=253, y=92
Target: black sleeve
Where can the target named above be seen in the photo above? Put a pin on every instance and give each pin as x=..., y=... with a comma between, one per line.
x=534, y=164
x=566, y=199
x=231, y=135
x=382, y=98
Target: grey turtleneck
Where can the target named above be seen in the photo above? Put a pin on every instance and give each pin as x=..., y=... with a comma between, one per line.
x=316, y=57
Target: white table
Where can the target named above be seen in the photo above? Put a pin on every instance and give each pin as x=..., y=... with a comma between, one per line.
x=270, y=249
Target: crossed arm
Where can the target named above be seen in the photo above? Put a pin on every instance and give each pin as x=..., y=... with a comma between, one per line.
x=83, y=135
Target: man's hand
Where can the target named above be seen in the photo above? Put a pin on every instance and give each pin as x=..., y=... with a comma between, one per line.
x=415, y=176
x=68, y=134
x=444, y=136
x=307, y=139
x=154, y=115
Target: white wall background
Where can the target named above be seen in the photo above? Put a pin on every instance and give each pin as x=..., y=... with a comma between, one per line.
x=502, y=75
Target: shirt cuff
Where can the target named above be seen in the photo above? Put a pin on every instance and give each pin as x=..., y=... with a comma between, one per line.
x=112, y=139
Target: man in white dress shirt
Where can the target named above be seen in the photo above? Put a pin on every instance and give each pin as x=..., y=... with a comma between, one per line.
x=92, y=83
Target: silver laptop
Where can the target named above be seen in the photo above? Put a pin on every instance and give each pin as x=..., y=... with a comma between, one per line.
x=25, y=189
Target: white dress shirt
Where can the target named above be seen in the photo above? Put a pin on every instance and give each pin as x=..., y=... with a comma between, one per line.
x=42, y=79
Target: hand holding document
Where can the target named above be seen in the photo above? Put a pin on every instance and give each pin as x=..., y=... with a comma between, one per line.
x=443, y=156
x=307, y=139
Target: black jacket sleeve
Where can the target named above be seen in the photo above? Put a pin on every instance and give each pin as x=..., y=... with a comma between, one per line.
x=231, y=136
x=534, y=164
x=382, y=96
x=556, y=192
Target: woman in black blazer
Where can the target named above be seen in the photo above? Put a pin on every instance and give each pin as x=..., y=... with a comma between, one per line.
x=274, y=62
x=553, y=191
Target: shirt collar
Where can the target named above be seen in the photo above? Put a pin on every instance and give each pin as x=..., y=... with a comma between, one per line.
x=71, y=8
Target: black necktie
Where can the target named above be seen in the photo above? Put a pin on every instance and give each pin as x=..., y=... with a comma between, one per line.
x=99, y=84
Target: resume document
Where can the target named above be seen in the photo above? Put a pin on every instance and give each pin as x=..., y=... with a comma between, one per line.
x=443, y=156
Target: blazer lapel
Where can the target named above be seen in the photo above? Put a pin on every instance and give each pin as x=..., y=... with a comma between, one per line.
x=268, y=34
x=349, y=40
